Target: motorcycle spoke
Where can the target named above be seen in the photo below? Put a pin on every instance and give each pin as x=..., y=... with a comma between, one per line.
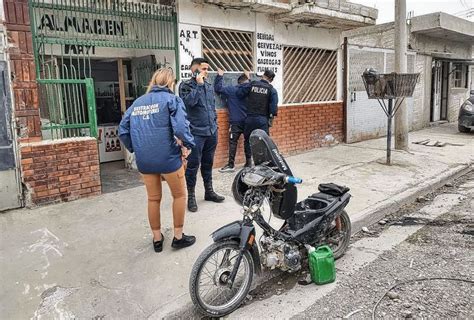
x=226, y=295
x=215, y=262
x=207, y=292
x=210, y=275
x=207, y=279
x=215, y=259
x=217, y=295
x=207, y=284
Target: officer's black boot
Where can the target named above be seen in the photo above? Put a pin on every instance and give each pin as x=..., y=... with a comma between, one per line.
x=210, y=195
x=192, y=205
x=248, y=162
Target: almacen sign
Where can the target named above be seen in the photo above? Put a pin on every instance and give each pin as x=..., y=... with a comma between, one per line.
x=81, y=33
x=50, y=23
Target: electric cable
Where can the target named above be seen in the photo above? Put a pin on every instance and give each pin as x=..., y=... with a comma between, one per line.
x=415, y=280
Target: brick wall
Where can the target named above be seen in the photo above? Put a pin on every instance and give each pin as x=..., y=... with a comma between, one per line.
x=61, y=170
x=24, y=86
x=52, y=171
x=297, y=128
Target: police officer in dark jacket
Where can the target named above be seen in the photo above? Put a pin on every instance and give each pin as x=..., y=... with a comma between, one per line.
x=237, y=115
x=262, y=105
x=198, y=96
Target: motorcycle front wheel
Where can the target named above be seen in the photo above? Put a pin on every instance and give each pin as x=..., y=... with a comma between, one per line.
x=208, y=286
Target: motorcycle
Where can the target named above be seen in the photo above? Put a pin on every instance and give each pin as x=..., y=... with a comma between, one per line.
x=222, y=275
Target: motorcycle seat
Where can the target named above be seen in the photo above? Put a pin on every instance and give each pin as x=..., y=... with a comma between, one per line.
x=333, y=189
x=315, y=205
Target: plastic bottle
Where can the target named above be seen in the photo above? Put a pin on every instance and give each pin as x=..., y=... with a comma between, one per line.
x=321, y=264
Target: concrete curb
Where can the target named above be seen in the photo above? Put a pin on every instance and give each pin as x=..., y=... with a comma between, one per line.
x=389, y=206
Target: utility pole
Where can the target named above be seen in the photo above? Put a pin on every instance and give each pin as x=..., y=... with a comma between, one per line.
x=401, y=39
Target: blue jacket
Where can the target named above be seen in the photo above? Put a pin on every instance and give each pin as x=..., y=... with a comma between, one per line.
x=149, y=128
x=237, y=106
x=244, y=91
x=200, y=106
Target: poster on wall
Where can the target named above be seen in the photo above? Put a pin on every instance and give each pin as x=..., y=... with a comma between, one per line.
x=110, y=147
x=112, y=142
x=270, y=56
x=189, y=47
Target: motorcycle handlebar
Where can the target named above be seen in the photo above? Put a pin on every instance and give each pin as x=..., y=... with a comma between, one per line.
x=293, y=180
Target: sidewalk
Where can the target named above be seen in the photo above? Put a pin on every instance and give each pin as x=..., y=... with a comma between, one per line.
x=93, y=258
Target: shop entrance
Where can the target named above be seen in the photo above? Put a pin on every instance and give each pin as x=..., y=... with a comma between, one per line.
x=117, y=83
x=439, y=91
x=92, y=63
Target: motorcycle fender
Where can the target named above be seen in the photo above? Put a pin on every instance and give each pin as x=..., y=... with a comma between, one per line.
x=229, y=231
x=241, y=234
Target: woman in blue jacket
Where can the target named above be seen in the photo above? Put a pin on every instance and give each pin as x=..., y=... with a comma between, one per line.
x=155, y=128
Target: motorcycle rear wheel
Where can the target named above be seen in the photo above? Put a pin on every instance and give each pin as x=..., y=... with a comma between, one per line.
x=216, y=263
x=338, y=239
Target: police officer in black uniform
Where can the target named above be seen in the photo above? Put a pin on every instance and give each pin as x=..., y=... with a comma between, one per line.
x=262, y=106
x=198, y=97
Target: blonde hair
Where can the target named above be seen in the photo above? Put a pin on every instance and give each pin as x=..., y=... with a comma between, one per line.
x=163, y=77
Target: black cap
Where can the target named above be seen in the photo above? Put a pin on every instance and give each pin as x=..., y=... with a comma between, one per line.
x=269, y=74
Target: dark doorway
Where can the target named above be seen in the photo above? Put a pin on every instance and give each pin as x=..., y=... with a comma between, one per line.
x=444, y=90
x=439, y=91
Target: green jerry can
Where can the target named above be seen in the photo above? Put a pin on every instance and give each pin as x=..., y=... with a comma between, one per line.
x=321, y=265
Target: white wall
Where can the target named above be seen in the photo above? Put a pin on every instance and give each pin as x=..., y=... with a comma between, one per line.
x=299, y=35
x=365, y=117
x=213, y=16
x=192, y=16
x=363, y=121
x=452, y=49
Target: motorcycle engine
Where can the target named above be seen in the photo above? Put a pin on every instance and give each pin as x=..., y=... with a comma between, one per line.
x=279, y=254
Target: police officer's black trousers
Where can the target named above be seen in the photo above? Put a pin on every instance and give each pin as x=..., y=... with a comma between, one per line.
x=201, y=155
x=235, y=131
x=252, y=123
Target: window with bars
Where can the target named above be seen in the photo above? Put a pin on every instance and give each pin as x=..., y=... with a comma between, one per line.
x=309, y=74
x=460, y=75
x=228, y=49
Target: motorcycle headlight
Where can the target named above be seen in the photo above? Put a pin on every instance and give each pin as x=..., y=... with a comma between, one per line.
x=468, y=106
x=253, y=179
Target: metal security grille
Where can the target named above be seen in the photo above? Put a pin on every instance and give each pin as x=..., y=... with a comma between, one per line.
x=69, y=106
x=104, y=23
x=227, y=49
x=68, y=33
x=309, y=75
